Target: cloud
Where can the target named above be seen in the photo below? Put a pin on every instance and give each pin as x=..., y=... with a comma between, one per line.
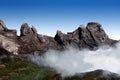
x=72, y=61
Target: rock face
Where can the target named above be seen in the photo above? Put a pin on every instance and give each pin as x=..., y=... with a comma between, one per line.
x=90, y=37
x=8, y=40
x=2, y=26
x=30, y=41
x=8, y=45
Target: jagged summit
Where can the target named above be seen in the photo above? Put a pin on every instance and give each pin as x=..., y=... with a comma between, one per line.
x=2, y=25
x=90, y=36
x=30, y=41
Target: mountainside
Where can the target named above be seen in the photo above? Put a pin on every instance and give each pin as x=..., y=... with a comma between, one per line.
x=17, y=69
x=13, y=67
x=31, y=42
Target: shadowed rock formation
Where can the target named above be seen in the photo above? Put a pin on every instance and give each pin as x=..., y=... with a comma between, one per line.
x=90, y=37
x=30, y=41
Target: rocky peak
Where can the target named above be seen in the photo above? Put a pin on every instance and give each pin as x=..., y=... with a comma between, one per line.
x=2, y=26
x=61, y=38
x=29, y=41
x=97, y=32
x=34, y=29
x=82, y=26
x=93, y=25
x=25, y=30
x=90, y=36
x=59, y=32
x=7, y=32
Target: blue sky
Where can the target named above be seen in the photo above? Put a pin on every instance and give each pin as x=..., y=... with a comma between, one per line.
x=65, y=15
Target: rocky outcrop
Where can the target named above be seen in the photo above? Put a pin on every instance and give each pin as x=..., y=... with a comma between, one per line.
x=90, y=37
x=8, y=45
x=2, y=26
x=30, y=41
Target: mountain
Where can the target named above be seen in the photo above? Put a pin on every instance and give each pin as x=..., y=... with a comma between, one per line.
x=30, y=42
x=92, y=36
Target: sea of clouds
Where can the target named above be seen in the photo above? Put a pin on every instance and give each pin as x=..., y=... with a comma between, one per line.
x=72, y=61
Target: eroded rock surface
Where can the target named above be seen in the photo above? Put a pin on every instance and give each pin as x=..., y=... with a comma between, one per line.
x=90, y=37
x=2, y=26
x=30, y=41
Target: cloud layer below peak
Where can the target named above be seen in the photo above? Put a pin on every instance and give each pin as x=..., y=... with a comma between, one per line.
x=72, y=61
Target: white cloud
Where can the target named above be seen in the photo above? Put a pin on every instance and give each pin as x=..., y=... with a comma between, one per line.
x=72, y=61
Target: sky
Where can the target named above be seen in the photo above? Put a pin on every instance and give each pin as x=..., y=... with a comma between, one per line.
x=48, y=16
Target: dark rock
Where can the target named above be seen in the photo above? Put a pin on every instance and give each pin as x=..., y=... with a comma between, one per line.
x=90, y=37
x=34, y=30
x=2, y=26
x=9, y=33
x=25, y=30
x=94, y=75
x=29, y=41
x=97, y=32
x=60, y=38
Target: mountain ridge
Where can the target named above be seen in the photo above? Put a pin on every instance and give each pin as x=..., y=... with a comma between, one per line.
x=91, y=36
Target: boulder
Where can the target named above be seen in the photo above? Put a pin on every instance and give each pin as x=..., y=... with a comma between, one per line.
x=8, y=45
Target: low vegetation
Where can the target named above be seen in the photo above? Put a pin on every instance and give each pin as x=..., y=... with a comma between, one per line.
x=18, y=69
